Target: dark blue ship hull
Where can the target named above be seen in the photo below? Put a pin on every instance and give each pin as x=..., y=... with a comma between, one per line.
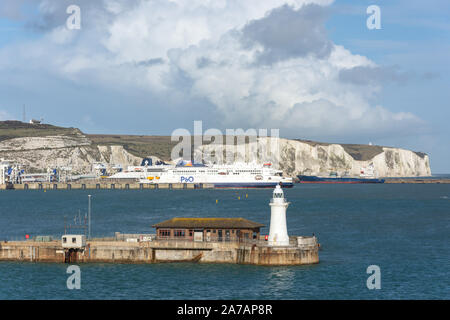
x=252, y=185
x=316, y=179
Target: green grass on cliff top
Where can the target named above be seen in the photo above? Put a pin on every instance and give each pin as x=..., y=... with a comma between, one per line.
x=18, y=129
x=161, y=146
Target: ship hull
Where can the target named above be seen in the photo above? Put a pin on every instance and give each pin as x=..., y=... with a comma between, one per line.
x=316, y=179
x=245, y=185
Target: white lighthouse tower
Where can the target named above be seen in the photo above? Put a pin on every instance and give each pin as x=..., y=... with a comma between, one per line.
x=278, y=235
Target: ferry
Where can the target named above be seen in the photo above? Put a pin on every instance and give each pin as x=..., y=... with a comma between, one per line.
x=366, y=176
x=221, y=176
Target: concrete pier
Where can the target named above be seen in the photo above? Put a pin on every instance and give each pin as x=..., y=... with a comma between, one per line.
x=417, y=180
x=299, y=252
x=102, y=185
x=131, y=185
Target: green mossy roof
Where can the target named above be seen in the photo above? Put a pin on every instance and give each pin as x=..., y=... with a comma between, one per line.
x=213, y=223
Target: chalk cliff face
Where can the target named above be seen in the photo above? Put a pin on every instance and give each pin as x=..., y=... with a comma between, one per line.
x=295, y=157
x=77, y=152
x=305, y=158
x=312, y=158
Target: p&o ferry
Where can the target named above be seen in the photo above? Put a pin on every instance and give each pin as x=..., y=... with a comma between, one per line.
x=221, y=176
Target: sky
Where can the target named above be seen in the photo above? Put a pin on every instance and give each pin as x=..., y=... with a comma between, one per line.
x=310, y=68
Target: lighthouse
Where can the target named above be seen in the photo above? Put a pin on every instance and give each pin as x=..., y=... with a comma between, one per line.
x=278, y=235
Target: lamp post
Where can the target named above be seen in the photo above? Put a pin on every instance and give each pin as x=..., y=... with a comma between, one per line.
x=89, y=217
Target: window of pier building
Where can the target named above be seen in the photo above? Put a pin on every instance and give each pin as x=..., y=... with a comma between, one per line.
x=164, y=233
x=179, y=233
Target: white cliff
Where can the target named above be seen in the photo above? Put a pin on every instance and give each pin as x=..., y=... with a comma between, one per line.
x=294, y=157
x=306, y=157
x=77, y=152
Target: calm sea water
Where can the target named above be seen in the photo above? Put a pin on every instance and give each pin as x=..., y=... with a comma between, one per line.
x=404, y=229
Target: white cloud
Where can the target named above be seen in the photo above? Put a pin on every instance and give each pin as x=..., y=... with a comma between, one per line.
x=152, y=28
x=301, y=94
x=198, y=50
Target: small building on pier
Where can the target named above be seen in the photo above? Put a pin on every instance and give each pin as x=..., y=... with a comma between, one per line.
x=208, y=229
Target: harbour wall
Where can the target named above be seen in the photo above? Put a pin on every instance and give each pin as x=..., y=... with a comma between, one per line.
x=160, y=251
x=178, y=186
x=105, y=185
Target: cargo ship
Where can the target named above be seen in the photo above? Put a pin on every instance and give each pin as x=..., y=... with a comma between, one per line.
x=366, y=176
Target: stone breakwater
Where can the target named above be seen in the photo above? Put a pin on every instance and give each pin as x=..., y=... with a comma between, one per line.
x=302, y=251
x=104, y=185
x=131, y=185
